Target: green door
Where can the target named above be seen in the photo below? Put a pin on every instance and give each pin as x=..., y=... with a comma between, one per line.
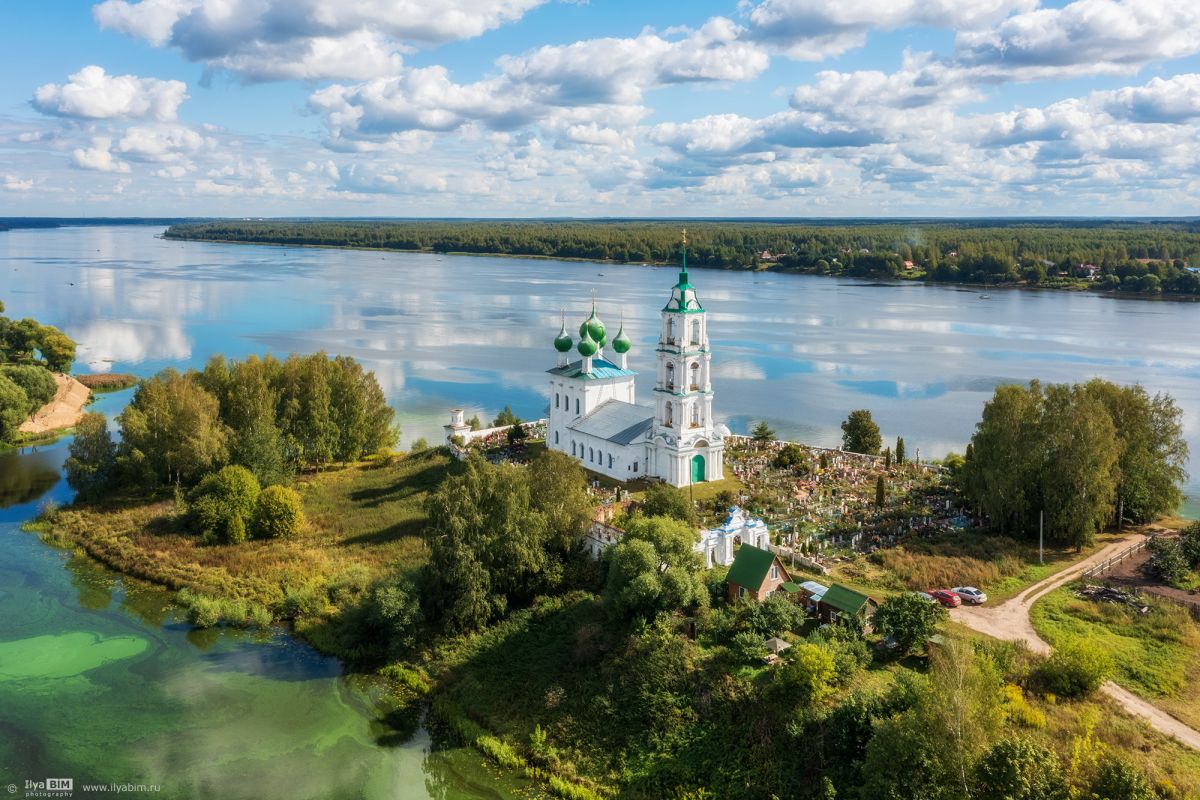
x=697, y=469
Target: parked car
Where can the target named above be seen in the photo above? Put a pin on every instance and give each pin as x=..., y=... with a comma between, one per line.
x=927, y=597
x=970, y=594
x=946, y=597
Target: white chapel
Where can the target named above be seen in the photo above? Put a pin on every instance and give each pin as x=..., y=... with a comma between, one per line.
x=594, y=415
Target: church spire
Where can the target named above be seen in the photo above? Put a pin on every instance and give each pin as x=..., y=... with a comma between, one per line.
x=683, y=276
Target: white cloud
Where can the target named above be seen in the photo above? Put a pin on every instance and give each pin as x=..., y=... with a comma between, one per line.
x=1084, y=37
x=12, y=183
x=308, y=39
x=98, y=157
x=586, y=93
x=92, y=94
x=1175, y=99
x=812, y=30
x=159, y=143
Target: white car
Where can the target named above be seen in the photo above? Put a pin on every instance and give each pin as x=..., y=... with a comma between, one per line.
x=927, y=597
x=970, y=594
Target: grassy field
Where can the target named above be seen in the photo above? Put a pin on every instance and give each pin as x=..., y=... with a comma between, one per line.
x=363, y=520
x=999, y=565
x=1157, y=655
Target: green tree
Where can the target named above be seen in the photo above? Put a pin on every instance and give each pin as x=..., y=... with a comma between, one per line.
x=505, y=417
x=1017, y=768
x=908, y=619
x=899, y=449
x=791, y=457
x=654, y=569
x=1152, y=451
x=558, y=488
x=248, y=403
x=860, y=434
x=747, y=647
x=1168, y=560
x=664, y=500
x=488, y=545
x=762, y=432
x=419, y=445
x=171, y=430
x=14, y=408
x=1001, y=471
x=361, y=417
x=305, y=412
x=395, y=613
x=1078, y=472
x=278, y=513
x=880, y=492
x=57, y=349
x=91, y=461
x=37, y=383
x=517, y=435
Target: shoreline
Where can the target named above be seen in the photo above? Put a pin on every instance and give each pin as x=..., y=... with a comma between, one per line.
x=981, y=288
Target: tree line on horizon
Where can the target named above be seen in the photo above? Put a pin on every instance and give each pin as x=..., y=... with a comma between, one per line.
x=951, y=252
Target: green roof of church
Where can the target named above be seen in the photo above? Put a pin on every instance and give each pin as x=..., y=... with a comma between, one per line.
x=601, y=368
x=844, y=599
x=750, y=566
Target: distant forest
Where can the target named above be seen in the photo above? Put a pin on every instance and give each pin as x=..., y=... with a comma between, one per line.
x=1146, y=257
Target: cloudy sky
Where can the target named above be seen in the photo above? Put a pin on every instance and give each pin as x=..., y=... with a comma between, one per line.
x=601, y=108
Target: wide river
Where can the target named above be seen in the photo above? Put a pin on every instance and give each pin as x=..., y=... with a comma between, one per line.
x=99, y=679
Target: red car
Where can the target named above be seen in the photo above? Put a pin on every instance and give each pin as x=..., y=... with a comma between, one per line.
x=946, y=597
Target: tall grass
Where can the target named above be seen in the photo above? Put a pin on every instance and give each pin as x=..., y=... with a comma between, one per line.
x=965, y=560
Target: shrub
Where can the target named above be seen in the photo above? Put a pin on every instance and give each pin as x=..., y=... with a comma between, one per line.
x=1168, y=561
x=1019, y=769
x=222, y=497
x=1190, y=541
x=1117, y=779
x=1076, y=669
x=278, y=513
x=807, y=677
x=747, y=648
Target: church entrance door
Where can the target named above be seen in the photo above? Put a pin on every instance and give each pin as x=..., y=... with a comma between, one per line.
x=697, y=469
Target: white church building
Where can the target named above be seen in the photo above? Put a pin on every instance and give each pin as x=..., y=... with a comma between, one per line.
x=594, y=415
x=716, y=544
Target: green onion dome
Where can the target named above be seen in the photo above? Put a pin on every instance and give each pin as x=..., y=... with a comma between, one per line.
x=594, y=328
x=587, y=345
x=562, y=342
x=622, y=343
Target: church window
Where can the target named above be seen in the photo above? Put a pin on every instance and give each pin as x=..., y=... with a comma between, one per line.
x=591, y=454
x=635, y=466
x=670, y=330
x=696, y=332
x=670, y=377
x=696, y=416
x=556, y=400
x=610, y=460
x=576, y=405
x=695, y=377
x=667, y=416
x=572, y=448
x=556, y=437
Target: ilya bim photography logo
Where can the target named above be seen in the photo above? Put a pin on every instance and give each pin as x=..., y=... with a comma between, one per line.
x=47, y=787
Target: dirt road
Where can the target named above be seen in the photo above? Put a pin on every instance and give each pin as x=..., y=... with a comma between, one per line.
x=1010, y=620
x=63, y=411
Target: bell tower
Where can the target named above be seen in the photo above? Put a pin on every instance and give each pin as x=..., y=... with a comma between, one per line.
x=683, y=390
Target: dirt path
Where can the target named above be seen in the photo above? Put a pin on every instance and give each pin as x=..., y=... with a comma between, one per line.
x=63, y=411
x=1010, y=620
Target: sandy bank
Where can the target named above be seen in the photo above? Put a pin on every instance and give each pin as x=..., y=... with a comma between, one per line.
x=64, y=411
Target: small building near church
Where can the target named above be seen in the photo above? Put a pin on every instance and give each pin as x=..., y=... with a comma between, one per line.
x=840, y=604
x=756, y=573
x=716, y=545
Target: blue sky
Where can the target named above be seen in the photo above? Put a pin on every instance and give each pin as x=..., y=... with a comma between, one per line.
x=602, y=108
